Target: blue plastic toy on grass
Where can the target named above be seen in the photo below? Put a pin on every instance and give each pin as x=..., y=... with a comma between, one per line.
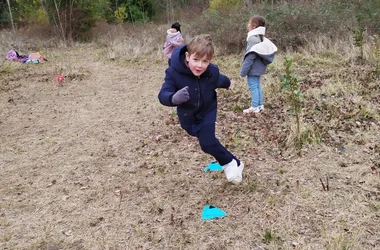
x=211, y=212
x=214, y=166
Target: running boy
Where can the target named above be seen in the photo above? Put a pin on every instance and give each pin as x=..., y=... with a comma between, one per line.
x=190, y=84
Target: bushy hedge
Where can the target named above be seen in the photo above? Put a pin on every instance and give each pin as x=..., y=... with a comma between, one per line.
x=289, y=25
x=228, y=33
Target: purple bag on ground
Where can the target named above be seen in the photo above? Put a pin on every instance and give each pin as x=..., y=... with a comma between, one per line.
x=23, y=59
x=12, y=55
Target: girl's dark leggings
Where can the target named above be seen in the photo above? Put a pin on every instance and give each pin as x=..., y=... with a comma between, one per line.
x=210, y=145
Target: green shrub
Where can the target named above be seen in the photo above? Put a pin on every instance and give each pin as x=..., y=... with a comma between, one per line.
x=130, y=11
x=71, y=19
x=289, y=25
x=28, y=12
x=367, y=11
x=222, y=4
x=292, y=90
x=294, y=25
x=121, y=14
x=228, y=34
x=4, y=17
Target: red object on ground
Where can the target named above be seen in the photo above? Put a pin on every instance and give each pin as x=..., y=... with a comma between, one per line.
x=59, y=79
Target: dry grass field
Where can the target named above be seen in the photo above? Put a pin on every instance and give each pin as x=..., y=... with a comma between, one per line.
x=98, y=163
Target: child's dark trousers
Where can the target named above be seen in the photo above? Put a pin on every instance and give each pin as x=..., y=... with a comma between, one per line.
x=210, y=145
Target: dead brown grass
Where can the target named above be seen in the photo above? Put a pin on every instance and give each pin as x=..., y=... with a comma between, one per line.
x=99, y=164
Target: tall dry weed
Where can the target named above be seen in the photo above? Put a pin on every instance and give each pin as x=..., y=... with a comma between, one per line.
x=131, y=42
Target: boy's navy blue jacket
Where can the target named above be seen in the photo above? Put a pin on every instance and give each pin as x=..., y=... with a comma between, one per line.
x=201, y=108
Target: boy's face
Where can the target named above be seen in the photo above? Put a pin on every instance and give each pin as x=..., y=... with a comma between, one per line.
x=197, y=65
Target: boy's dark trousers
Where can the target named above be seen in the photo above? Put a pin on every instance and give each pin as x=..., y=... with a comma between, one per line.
x=210, y=145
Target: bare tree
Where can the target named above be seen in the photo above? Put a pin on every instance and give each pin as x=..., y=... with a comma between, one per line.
x=10, y=14
x=62, y=18
x=60, y=28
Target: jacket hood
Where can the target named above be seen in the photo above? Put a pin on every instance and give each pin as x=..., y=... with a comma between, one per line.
x=178, y=61
x=266, y=47
x=266, y=50
x=258, y=31
x=171, y=33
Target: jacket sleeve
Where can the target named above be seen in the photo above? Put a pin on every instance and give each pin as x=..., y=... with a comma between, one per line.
x=167, y=91
x=247, y=63
x=223, y=82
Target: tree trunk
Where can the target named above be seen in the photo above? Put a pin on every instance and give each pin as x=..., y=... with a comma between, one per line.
x=10, y=14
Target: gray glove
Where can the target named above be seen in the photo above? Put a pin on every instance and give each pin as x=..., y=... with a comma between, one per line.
x=181, y=96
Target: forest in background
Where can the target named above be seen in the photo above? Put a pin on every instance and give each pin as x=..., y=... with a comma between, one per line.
x=291, y=24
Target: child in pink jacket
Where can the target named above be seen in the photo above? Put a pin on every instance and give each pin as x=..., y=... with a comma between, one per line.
x=173, y=40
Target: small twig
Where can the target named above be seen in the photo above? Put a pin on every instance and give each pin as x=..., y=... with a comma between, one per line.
x=327, y=186
x=259, y=246
x=121, y=197
x=172, y=222
x=323, y=185
x=369, y=231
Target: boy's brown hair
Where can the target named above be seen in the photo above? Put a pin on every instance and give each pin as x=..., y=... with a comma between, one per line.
x=200, y=46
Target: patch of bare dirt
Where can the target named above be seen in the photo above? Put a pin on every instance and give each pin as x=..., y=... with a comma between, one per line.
x=99, y=164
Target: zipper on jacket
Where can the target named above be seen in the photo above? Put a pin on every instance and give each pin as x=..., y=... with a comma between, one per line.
x=199, y=97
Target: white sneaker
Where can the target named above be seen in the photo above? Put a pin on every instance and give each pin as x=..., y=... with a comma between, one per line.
x=233, y=172
x=251, y=110
x=261, y=107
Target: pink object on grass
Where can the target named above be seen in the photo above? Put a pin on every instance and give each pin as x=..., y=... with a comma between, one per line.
x=59, y=79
